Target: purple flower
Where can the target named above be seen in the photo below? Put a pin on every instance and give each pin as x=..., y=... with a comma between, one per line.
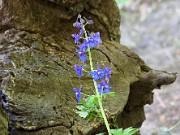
x=77, y=25
x=76, y=38
x=89, y=21
x=108, y=73
x=82, y=55
x=78, y=94
x=81, y=32
x=100, y=89
x=79, y=22
x=98, y=74
x=103, y=87
x=83, y=47
x=78, y=70
x=101, y=73
x=94, y=40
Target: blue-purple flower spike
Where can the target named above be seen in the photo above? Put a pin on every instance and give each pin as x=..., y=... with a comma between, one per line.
x=85, y=40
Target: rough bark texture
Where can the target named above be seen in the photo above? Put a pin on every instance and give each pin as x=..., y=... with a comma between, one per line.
x=37, y=75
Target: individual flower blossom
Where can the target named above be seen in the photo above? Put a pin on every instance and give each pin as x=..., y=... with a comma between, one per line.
x=82, y=55
x=79, y=22
x=78, y=94
x=103, y=87
x=100, y=89
x=108, y=73
x=77, y=25
x=76, y=38
x=83, y=47
x=89, y=21
x=94, y=40
x=78, y=70
x=97, y=74
x=101, y=73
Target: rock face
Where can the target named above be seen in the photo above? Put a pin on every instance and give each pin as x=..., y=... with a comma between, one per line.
x=37, y=58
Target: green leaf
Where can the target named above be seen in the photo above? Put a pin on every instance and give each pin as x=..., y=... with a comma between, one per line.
x=130, y=131
x=117, y=131
x=82, y=101
x=112, y=94
x=82, y=114
x=80, y=107
x=127, y=131
x=91, y=101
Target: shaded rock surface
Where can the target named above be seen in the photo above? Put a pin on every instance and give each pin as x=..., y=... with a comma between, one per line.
x=37, y=58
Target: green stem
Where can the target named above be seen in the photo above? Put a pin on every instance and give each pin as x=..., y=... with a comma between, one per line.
x=95, y=86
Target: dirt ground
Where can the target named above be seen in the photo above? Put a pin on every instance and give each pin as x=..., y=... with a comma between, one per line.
x=151, y=28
